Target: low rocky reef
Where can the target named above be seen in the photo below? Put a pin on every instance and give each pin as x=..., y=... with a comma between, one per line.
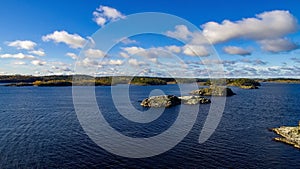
x=249, y=87
x=213, y=91
x=171, y=100
x=289, y=135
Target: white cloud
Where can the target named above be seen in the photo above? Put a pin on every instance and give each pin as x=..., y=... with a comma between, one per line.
x=72, y=55
x=153, y=60
x=133, y=50
x=72, y=40
x=110, y=13
x=55, y=67
x=278, y=45
x=263, y=28
x=94, y=53
x=124, y=55
x=16, y=56
x=89, y=62
x=128, y=41
x=19, y=63
x=38, y=62
x=39, y=52
x=22, y=44
x=234, y=50
x=181, y=32
x=99, y=19
x=154, y=52
x=195, y=50
x=61, y=69
x=134, y=62
x=111, y=62
x=115, y=62
x=266, y=25
x=173, y=49
x=105, y=14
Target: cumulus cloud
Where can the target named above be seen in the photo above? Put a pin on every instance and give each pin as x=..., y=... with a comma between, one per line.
x=72, y=40
x=38, y=62
x=135, y=62
x=72, y=55
x=39, y=52
x=89, y=62
x=94, y=53
x=173, y=49
x=267, y=28
x=163, y=51
x=22, y=44
x=181, y=32
x=105, y=14
x=147, y=53
x=115, y=62
x=133, y=50
x=234, y=50
x=99, y=19
x=124, y=55
x=16, y=56
x=278, y=45
x=266, y=25
x=195, y=50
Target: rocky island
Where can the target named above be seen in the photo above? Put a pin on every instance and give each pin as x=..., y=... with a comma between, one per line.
x=243, y=83
x=289, y=135
x=213, y=91
x=171, y=100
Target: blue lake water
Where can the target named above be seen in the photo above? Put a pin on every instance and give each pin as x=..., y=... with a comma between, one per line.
x=39, y=129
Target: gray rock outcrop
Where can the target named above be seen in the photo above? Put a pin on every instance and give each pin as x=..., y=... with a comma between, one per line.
x=161, y=101
x=194, y=100
x=213, y=91
x=171, y=100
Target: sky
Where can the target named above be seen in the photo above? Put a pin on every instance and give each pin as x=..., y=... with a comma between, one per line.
x=235, y=39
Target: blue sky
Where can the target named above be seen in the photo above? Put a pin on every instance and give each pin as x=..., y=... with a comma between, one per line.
x=252, y=38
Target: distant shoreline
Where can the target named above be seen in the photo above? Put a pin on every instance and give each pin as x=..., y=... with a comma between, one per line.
x=283, y=82
x=84, y=80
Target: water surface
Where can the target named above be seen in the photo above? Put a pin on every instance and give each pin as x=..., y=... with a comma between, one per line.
x=39, y=129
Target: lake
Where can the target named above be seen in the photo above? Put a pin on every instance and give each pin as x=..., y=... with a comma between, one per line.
x=39, y=129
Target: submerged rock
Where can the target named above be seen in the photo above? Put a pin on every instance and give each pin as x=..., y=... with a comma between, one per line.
x=290, y=135
x=171, y=100
x=214, y=91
